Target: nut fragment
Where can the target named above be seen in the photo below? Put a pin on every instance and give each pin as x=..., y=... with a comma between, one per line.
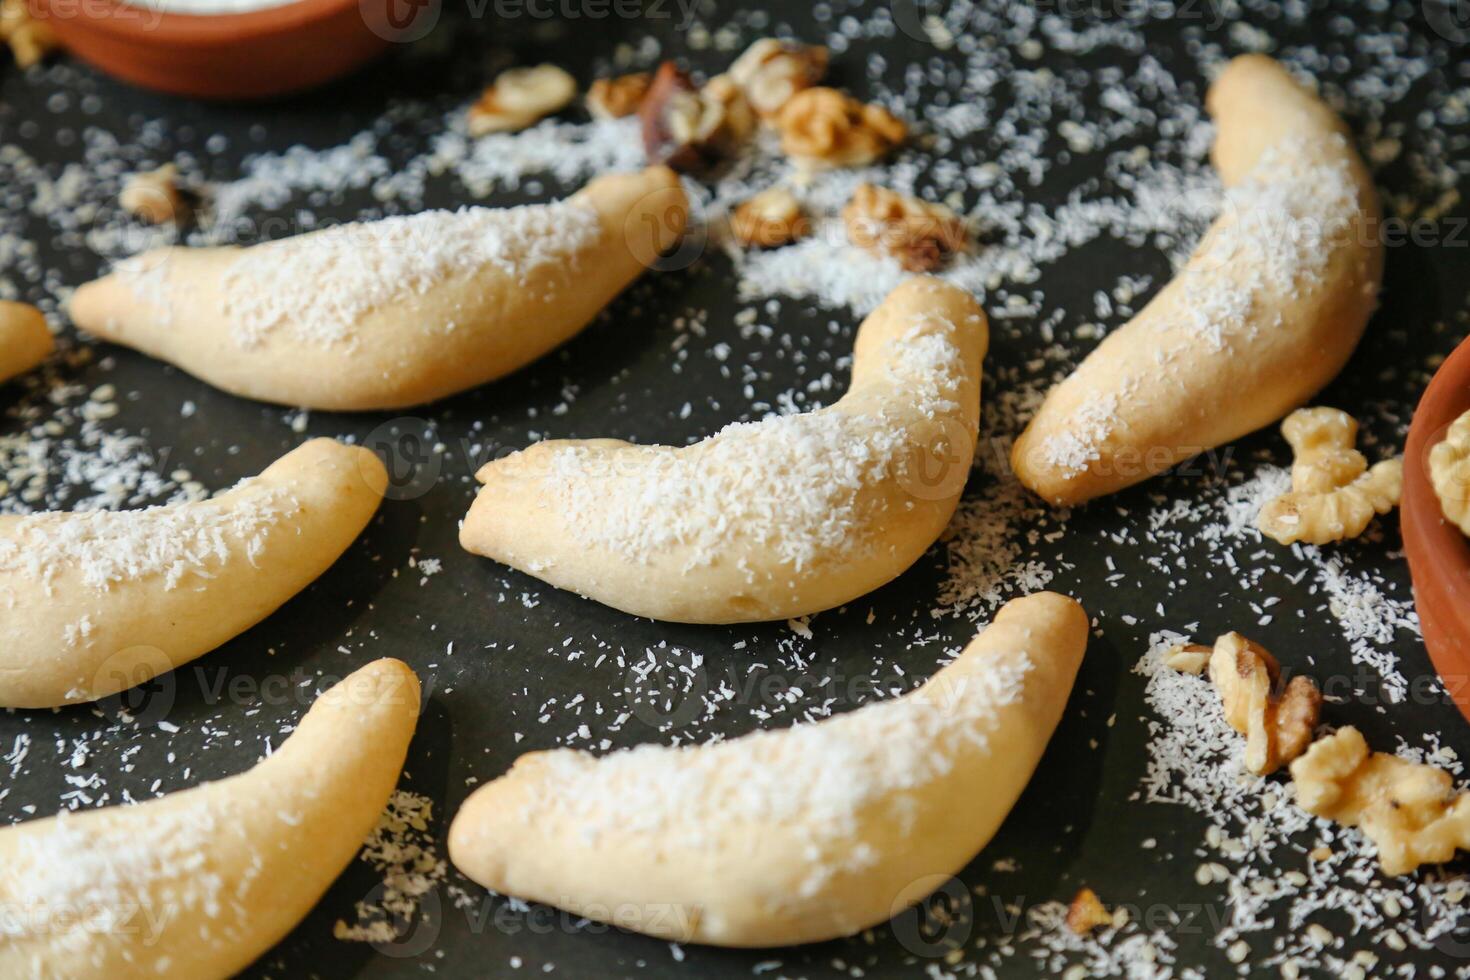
x=1087, y=913
x=770, y=72
x=690, y=128
x=822, y=127
x=770, y=219
x=1321, y=441
x=519, y=97
x=1449, y=472
x=615, y=98
x=1334, y=495
x=30, y=40
x=1188, y=658
x=920, y=235
x=1277, y=726
x=154, y=196
x=1408, y=809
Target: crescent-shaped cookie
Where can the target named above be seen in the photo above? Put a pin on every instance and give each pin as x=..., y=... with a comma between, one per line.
x=25, y=340
x=1264, y=314
x=764, y=520
x=94, y=603
x=395, y=312
x=791, y=836
x=200, y=883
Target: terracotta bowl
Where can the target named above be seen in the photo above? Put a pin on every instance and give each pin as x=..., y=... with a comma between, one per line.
x=1438, y=553
x=252, y=55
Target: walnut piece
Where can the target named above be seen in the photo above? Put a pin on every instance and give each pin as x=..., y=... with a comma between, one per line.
x=770, y=72
x=1334, y=494
x=1408, y=809
x=1323, y=457
x=1188, y=658
x=616, y=98
x=154, y=196
x=519, y=97
x=30, y=40
x=1277, y=726
x=1449, y=472
x=920, y=235
x=822, y=127
x=689, y=128
x=1087, y=913
x=769, y=220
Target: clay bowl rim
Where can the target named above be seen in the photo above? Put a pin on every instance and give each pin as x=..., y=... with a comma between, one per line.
x=1438, y=552
x=149, y=24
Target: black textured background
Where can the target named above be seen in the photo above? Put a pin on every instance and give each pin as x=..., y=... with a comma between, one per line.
x=1075, y=824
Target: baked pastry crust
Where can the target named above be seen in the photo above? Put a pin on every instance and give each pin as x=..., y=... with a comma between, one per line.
x=95, y=603
x=200, y=883
x=1266, y=312
x=790, y=836
x=392, y=313
x=766, y=520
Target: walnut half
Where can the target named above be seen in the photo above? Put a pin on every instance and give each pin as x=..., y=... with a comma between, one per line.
x=770, y=219
x=616, y=98
x=920, y=235
x=822, y=127
x=770, y=72
x=1408, y=809
x=520, y=97
x=1277, y=726
x=1449, y=472
x=1334, y=495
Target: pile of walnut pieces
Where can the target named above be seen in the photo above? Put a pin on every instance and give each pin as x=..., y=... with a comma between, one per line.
x=775, y=84
x=1409, y=810
x=693, y=127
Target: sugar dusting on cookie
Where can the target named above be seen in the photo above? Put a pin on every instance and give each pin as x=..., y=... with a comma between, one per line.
x=109, y=548
x=816, y=778
x=317, y=287
x=802, y=484
x=320, y=286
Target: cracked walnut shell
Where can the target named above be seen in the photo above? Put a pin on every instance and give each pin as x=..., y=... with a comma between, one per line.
x=770, y=72
x=920, y=235
x=1334, y=494
x=1409, y=810
x=1277, y=725
x=1449, y=472
x=770, y=219
x=519, y=97
x=822, y=127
